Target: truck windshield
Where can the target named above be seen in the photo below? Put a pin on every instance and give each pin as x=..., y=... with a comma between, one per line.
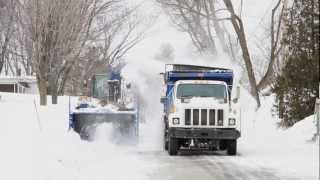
x=217, y=91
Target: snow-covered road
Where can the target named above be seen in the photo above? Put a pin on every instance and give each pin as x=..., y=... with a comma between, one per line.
x=204, y=166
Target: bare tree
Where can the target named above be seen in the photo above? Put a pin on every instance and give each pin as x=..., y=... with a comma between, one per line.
x=192, y=15
x=58, y=30
x=7, y=12
x=275, y=45
x=200, y=21
x=15, y=45
x=116, y=34
x=184, y=7
x=122, y=32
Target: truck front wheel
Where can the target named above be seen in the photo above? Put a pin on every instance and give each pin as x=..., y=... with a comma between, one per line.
x=223, y=145
x=232, y=147
x=173, y=146
x=165, y=141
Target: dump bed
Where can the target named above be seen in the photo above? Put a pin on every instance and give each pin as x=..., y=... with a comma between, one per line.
x=175, y=72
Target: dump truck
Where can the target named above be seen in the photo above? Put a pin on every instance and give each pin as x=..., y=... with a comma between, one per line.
x=112, y=101
x=199, y=112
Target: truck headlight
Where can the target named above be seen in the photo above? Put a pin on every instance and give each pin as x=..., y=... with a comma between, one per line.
x=232, y=121
x=176, y=121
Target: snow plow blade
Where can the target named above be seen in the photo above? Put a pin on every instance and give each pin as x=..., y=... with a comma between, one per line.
x=124, y=124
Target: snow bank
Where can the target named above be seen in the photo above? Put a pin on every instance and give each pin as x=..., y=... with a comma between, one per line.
x=302, y=131
x=264, y=144
x=36, y=145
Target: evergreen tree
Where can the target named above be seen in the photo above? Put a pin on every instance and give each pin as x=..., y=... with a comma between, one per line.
x=296, y=87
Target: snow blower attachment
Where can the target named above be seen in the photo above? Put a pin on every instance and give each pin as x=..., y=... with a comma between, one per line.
x=112, y=102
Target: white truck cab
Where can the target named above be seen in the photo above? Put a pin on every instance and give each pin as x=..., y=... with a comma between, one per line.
x=199, y=111
x=202, y=104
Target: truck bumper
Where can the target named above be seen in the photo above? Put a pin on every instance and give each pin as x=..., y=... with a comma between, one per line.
x=204, y=133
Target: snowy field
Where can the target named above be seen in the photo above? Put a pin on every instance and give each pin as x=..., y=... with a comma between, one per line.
x=36, y=145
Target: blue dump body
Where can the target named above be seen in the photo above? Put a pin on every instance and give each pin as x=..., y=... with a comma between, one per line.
x=190, y=72
x=225, y=76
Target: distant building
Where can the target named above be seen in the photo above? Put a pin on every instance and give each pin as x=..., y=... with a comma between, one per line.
x=19, y=84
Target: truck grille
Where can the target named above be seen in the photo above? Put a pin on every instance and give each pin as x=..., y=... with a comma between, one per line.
x=203, y=117
x=212, y=117
x=187, y=116
x=196, y=117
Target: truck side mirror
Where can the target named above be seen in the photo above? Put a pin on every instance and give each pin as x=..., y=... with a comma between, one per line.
x=163, y=99
x=236, y=99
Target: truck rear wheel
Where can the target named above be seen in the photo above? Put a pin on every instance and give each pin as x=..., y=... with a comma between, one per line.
x=173, y=146
x=232, y=147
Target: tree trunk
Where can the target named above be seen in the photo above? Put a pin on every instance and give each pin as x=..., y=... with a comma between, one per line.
x=239, y=29
x=54, y=92
x=53, y=88
x=3, y=51
x=42, y=85
x=1, y=65
x=64, y=79
x=54, y=97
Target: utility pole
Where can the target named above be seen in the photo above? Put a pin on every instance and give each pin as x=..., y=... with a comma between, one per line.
x=317, y=119
x=317, y=116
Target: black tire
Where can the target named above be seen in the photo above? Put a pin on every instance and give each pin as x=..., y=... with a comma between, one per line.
x=165, y=138
x=232, y=147
x=165, y=141
x=223, y=145
x=173, y=146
